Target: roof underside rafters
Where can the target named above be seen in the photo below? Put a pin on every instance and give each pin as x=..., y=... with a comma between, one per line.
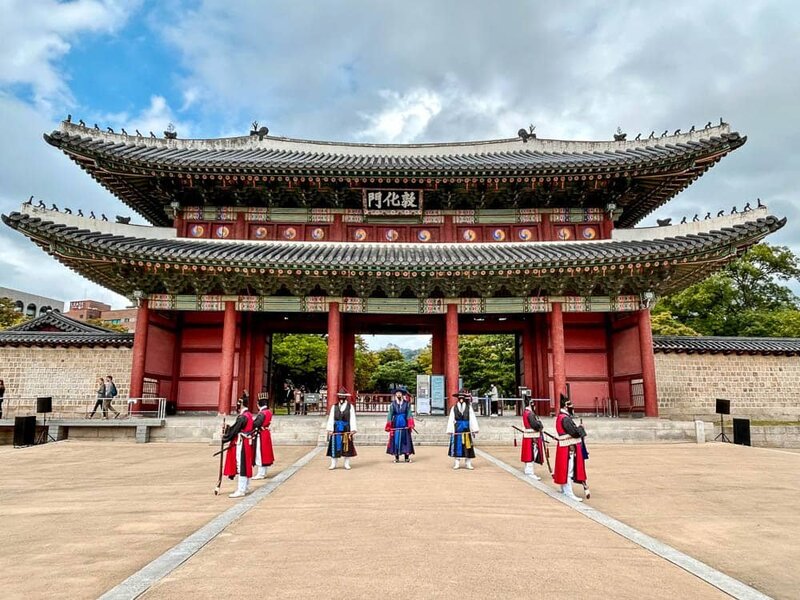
x=142, y=171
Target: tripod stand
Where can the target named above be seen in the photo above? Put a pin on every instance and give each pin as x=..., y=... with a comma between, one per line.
x=44, y=435
x=721, y=435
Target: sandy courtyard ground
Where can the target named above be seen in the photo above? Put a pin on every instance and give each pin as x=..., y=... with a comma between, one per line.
x=421, y=530
x=733, y=507
x=76, y=518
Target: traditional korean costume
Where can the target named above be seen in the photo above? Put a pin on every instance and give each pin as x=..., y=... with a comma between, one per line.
x=570, y=462
x=532, y=444
x=264, y=455
x=341, y=425
x=399, y=424
x=461, y=425
x=239, y=459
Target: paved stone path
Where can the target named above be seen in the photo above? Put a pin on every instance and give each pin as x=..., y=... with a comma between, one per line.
x=76, y=518
x=733, y=507
x=479, y=534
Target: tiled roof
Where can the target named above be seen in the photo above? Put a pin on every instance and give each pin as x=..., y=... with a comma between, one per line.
x=69, y=332
x=52, y=319
x=725, y=345
x=54, y=338
x=127, y=165
x=96, y=255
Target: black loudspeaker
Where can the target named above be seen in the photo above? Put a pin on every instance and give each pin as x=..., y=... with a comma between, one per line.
x=723, y=407
x=24, y=431
x=741, y=432
x=44, y=404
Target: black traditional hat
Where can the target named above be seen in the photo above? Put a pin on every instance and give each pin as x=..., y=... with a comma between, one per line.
x=343, y=392
x=563, y=401
x=462, y=393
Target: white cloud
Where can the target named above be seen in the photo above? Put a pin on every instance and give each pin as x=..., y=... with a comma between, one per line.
x=404, y=117
x=35, y=35
x=155, y=117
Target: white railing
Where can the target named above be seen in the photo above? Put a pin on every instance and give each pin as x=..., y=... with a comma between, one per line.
x=86, y=408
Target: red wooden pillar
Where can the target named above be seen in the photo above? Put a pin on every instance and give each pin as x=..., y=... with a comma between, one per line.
x=437, y=350
x=139, y=351
x=528, y=358
x=259, y=346
x=228, y=354
x=334, y=350
x=451, y=345
x=648, y=364
x=557, y=340
x=349, y=363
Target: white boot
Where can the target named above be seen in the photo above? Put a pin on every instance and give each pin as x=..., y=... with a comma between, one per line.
x=534, y=475
x=241, y=488
x=333, y=464
x=262, y=473
x=347, y=463
x=456, y=464
x=529, y=469
x=469, y=464
x=566, y=489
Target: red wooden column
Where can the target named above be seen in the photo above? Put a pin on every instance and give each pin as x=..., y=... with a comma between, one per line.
x=334, y=350
x=557, y=340
x=437, y=350
x=451, y=347
x=648, y=364
x=228, y=354
x=348, y=378
x=528, y=358
x=139, y=351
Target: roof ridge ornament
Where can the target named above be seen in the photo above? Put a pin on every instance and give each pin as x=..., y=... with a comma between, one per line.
x=261, y=132
x=527, y=135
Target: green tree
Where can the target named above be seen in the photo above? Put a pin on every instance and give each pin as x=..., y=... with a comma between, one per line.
x=366, y=362
x=400, y=372
x=300, y=358
x=665, y=324
x=488, y=359
x=9, y=315
x=748, y=297
x=389, y=354
x=424, y=360
x=107, y=325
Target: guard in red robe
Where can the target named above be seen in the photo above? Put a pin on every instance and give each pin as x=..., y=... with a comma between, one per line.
x=264, y=455
x=532, y=443
x=570, y=465
x=239, y=459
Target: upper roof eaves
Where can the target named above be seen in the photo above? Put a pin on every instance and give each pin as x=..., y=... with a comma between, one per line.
x=289, y=150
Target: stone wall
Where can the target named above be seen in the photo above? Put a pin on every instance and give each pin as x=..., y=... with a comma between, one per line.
x=62, y=372
x=765, y=387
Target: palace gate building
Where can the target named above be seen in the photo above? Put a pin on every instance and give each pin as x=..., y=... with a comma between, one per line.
x=258, y=234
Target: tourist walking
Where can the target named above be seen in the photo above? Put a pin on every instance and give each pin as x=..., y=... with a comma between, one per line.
x=462, y=425
x=100, y=396
x=298, y=400
x=532, y=442
x=110, y=394
x=264, y=454
x=570, y=464
x=2, y=394
x=399, y=425
x=342, y=428
x=239, y=458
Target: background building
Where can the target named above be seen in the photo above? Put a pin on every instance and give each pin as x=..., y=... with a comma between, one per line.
x=31, y=305
x=86, y=309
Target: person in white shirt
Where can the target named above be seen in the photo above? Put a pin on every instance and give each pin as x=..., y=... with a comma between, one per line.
x=341, y=429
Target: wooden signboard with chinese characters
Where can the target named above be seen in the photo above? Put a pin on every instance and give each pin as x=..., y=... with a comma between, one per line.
x=392, y=202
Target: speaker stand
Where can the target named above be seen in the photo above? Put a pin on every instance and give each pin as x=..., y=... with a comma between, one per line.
x=44, y=436
x=721, y=435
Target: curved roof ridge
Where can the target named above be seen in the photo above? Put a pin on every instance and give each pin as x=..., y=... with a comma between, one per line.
x=515, y=144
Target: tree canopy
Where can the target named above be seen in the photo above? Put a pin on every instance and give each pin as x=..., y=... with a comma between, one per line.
x=9, y=315
x=749, y=297
x=487, y=359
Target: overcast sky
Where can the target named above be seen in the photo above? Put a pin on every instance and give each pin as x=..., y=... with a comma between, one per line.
x=411, y=71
